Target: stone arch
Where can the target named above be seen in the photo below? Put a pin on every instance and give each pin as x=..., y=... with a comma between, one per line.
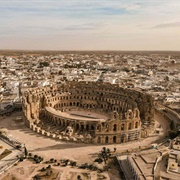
x=99, y=139
x=136, y=113
x=82, y=126
x=129, y=126
x=87, y=127
x=115, y=127
x=122, y=127
x=92, y=127
x=122, y=138
x=136, y=124
x=114, y=139
x=129, y=114
x=99, y=127
x=107, y=127
x=129, y=137
x=77, y=126
x=106, y=139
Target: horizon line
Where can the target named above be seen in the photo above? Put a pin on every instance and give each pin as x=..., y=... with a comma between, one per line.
x=43, y=50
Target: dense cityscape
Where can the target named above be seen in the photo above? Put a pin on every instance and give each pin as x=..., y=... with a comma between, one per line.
x=150, y=154
x=156, y=74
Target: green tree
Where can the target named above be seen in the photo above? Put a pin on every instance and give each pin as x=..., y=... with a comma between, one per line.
x=105, y=154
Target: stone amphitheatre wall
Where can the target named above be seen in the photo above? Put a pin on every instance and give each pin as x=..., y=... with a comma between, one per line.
x=130, y=112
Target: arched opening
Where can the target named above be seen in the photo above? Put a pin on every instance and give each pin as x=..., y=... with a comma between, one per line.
x=115, y=127
x=106, y=139
x=99, y=127
x=130, y=114
x=122, y=127
x=77, y=126
x=107, y=127
x=136, y=113
x=99, y=140
x=122, y=138
x=136, y=125
x=129, y=137
x=64, y=123
x=114, y=139
x=130, y=126
x=82, y=126
x=92, y=127
x=87, y=127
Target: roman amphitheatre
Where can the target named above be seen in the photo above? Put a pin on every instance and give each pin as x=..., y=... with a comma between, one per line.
x=89, y=112
x=75, y=120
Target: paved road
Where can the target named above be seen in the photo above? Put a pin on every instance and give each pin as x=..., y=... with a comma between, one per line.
x=10, y=159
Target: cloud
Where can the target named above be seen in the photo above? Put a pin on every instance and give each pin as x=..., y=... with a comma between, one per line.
x=168, y=25
x=88, y=26
x=133, y=7
x=109, y=20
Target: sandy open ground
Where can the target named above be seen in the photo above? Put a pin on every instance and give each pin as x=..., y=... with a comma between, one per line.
x=51, y=148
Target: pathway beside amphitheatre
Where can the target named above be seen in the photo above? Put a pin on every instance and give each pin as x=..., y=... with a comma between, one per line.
x=51, y=148
x=48, y=148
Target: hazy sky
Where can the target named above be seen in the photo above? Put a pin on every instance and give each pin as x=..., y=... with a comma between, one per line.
x=90, y=24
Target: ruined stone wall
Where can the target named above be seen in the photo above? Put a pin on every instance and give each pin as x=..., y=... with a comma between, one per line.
x=128, y=109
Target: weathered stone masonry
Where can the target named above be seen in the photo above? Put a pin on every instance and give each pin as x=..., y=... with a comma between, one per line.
x=129, y=113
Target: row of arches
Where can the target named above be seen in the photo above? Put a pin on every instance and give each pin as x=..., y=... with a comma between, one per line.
x=105, y=102
x=122, y=127
x=115, y=139
x=94, y=104
x=74, y=124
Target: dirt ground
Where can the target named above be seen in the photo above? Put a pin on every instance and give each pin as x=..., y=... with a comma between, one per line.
x=51, y=148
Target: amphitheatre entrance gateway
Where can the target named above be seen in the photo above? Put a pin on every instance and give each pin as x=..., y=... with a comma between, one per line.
x=90, y=112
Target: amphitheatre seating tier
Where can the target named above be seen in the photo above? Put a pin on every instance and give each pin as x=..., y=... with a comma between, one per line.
x=75, y=116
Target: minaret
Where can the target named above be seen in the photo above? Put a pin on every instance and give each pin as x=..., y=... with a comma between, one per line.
x=169, y=58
